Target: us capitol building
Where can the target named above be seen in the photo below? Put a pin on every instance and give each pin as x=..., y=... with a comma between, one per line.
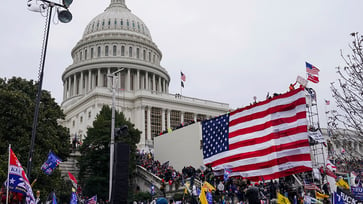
x=118, y=39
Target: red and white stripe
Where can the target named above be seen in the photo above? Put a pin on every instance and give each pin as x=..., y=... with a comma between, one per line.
x=268, y=139
x=330, y=166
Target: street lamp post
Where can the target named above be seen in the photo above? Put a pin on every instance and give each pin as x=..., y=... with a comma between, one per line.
x=64, y=16
x=112, y=142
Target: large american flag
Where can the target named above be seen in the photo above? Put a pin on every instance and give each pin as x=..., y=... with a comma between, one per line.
x=266, y=140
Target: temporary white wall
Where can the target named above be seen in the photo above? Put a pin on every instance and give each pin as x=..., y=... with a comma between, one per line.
x=181, y=148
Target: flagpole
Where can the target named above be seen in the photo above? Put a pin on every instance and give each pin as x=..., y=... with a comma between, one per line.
x=7, y=188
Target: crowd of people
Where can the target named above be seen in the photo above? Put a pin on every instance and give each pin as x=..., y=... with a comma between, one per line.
x=347, y=165
x=236, y=189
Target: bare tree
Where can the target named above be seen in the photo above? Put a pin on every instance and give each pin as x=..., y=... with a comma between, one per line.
x=348, y=92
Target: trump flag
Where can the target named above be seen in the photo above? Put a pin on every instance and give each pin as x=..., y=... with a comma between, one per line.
x=51, y=163
x=18, y=181
x=266, y=140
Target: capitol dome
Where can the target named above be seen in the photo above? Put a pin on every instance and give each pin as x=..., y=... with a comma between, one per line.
x=113, y=39
x=117, y=17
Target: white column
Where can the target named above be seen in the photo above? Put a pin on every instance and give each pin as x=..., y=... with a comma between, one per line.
x=143, y=82
x=65, y=89
x=81, y=82
x=164, y=90
x=89, y=80
x=108, y=79
x=147, y=80
x=168, y=119
x=69, y=87
x=149, y=123
x=99, y=82
x=137, y=87
x=154, y=83
x=159, y=85
x=141, y=127
x=163, y=119
x=195, y=117
x=74, y=85
x=128, y=80
x=181, y=116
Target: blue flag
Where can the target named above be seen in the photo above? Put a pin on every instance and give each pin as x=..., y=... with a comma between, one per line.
x=74, y=199
x=51, y=163
x=54, y=199
x=338, y=199
x=209, y=198
x=227, y=172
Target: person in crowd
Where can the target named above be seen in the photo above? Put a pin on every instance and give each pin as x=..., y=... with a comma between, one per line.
x=252, y=194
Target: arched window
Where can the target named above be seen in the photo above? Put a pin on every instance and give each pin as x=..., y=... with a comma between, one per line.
x=91, y=52
x=80, y=56
x=114, y=50
x=130, y=51
x=85, y=54
x=144, y=54
x=149, y=56
x=138, y=53
x=98, y=51
x=122, y=50
x=106, y=50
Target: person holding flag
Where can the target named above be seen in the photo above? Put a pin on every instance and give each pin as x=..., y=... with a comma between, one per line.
x=73, y=179
x=17, y=181
x=74, y=198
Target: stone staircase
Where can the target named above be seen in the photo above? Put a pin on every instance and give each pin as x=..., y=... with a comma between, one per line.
x=145, y=179
x=70, y=165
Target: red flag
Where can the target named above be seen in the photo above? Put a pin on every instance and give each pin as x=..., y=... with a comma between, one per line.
x=182, y=76
x=72, y=177
x=327, y=102
x=268, y=139
x=313, y=78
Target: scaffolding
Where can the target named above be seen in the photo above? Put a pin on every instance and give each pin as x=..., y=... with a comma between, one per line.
x=318, y=149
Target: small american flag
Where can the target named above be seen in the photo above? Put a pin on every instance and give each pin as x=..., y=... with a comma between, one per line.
x=311, y=69
x=182, y=76
x=92, y=200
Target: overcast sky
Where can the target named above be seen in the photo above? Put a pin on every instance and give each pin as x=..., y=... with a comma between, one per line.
x=230, y=51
